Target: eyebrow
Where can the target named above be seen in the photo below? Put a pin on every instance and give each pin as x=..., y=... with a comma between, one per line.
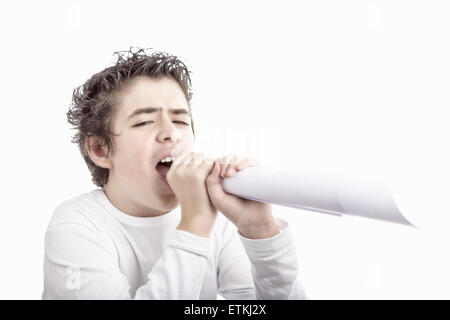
x=152, y=109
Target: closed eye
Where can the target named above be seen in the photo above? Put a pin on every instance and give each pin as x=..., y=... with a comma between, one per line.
x=145, y=122
x=142, y=123
x=182, y=122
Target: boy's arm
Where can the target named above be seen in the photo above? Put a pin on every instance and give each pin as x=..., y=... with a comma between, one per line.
x=80, y=264
x=259, y=268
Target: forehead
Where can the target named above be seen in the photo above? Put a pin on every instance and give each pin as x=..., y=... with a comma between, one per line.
x=147, y=92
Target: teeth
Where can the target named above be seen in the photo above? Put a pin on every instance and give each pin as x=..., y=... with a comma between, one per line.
x=168, y=159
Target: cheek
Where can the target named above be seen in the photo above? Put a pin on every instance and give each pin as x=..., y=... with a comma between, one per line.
x=133, y=159
x=188, y=140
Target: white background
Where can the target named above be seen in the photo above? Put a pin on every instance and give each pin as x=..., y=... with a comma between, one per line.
x=356, y=84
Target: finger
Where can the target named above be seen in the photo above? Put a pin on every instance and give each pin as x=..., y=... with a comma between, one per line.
x=189, y=159
x=242, y=164
x=223, y=162
x=214, y=176
x=179, y=159
x=226, y=161
x=213, y=182
x=208, y=162
x=205, y=163
x=231, y=170
x=247, y=162
x=197, y=159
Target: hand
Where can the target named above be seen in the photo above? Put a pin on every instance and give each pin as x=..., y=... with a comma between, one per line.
x=186, y=177
x=253, y=219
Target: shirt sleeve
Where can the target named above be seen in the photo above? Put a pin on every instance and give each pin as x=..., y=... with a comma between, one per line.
x=262, y=269
x=79, y=263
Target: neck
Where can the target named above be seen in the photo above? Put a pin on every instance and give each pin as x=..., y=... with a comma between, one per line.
x=127, y=205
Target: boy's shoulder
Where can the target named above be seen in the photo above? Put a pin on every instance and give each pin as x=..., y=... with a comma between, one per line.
x=77, y=210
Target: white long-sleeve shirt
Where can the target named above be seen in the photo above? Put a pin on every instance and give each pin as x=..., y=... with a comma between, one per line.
x=95, y=251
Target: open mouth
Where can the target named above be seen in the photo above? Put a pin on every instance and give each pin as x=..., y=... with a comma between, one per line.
x=163, y=167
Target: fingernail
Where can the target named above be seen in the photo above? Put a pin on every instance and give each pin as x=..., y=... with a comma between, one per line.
x=230, y=171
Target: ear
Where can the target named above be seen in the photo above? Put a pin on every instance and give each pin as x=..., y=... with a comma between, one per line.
x=97, y=152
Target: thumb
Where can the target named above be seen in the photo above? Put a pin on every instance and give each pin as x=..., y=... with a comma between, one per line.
x=213, y=182
x=229, y=205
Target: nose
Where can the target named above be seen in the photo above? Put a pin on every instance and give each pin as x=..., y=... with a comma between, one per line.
x=168, y=131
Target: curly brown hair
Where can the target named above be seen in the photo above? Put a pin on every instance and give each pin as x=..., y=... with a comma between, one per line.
x=95, y=102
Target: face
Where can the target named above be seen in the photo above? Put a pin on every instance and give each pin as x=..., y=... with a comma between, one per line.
x=143, y=138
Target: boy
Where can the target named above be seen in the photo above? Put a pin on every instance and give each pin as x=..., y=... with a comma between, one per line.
x=152, y=230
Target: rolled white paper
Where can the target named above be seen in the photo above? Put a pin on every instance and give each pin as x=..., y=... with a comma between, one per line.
x=323, y=192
